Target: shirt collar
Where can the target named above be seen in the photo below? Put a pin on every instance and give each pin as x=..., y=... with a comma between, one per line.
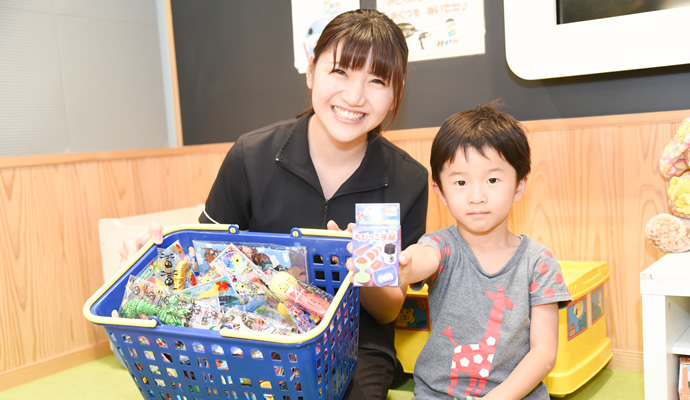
x=294, y=155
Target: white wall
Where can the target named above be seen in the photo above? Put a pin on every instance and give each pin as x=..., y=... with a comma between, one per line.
x=83, y=75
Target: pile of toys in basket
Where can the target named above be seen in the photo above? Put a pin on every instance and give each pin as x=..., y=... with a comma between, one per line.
x=242, y=286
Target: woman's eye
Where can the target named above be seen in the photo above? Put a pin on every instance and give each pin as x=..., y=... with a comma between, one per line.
x=338, y=71
x=379, y=82
x=493, y=180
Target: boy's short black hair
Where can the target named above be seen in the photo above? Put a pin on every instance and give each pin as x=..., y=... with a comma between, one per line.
x=483, y=127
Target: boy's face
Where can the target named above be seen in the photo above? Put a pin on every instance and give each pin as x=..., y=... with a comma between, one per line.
x=479, y=191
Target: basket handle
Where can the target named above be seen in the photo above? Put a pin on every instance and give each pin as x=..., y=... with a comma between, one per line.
x=299, y=232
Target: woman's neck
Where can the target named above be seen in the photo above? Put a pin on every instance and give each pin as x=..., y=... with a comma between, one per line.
x=334, y=161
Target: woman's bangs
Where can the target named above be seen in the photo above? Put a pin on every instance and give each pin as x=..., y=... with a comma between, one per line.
x=355, y=54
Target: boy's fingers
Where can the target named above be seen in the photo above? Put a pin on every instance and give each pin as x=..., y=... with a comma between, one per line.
x=403, y=258
x=350, y=226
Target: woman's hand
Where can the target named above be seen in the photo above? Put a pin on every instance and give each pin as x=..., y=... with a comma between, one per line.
x=333, y=226
x=132, y=245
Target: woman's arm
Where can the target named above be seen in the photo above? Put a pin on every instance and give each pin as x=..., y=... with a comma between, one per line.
x=540, y=359
x=382, y=303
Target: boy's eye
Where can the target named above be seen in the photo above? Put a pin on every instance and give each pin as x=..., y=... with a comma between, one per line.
x=460, y=183
x=493, y=180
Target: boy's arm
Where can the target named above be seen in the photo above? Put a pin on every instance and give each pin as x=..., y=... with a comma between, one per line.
x=384, y=303
x=540, y=359
x=417, y=262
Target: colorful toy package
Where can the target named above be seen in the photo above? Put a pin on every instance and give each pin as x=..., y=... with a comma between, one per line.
x=292, y=259
x=376, y=244
x=221, y=284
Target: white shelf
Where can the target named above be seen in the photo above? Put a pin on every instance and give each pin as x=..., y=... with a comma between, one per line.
x=665, y=290
x=682, y=345
x=669, y=276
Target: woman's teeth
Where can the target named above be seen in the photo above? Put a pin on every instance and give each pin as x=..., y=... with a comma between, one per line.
x=352, y=116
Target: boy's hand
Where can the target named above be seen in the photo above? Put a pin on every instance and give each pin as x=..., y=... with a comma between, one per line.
x=132, y=245
x=405, y=262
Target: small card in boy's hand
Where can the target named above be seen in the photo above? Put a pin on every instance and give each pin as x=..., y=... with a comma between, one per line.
x=376, y=244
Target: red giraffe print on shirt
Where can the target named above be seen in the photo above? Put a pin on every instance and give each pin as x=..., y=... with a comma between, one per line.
x=476, y=359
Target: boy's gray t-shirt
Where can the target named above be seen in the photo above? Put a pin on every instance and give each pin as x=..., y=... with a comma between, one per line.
x=480, y=323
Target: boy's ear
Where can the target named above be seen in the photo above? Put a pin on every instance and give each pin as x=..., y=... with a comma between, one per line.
x=520, y=189
x=310, y=72
x=439, y=192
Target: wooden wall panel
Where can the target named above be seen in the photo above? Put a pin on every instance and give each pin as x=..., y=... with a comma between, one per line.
x=594, y=185
x=51, y=264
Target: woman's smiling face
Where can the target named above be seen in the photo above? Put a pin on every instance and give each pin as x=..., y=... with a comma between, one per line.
x=347, y=103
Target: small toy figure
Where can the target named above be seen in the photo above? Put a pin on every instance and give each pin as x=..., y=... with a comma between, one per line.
x=168, y=269
x=180, y=274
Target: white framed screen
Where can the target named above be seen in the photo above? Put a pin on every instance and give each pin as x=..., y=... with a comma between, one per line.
x=537, y=47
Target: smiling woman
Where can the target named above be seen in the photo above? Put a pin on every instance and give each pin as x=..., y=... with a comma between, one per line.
x=311, y=171
x=537, y=47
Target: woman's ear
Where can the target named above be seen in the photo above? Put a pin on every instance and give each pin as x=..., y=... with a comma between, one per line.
x=310, y=72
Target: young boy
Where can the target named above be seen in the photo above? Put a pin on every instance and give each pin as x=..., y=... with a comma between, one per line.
x=493, y=295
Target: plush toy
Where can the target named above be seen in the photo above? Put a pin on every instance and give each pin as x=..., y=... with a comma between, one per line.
x=670, y=232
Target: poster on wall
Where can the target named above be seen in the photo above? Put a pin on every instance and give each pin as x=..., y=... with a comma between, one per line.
x=438, y=28
x=309, y=17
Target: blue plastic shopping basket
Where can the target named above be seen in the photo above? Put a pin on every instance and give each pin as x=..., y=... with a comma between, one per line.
x=171, y=362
